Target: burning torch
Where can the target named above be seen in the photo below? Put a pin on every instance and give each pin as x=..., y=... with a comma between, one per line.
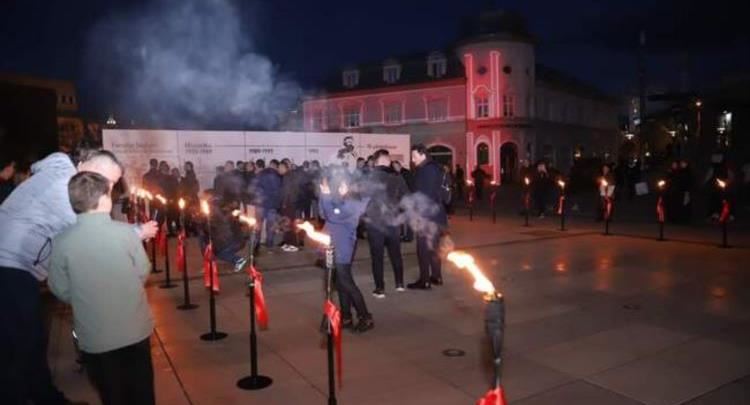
x=660, y=215
x=211, y=278
x=493, y=197
x=725, y=211
x=470, y=196
x=526, y=199
x=148, y=198
x=561, y=204
x=494, y=321
x=332, y=316
x=607, y=198
x=182, y=260
x=163, y=242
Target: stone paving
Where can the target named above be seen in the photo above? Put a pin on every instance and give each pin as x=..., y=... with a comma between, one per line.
x=590, y=320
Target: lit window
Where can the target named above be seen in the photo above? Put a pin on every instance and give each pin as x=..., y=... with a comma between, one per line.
x=483, y=106
x=317, y=120
x=437, y=110
x=391, y=72
x=351, y=78
x=351, y=118
x=393, y=113
x=436, y=65
x=508, y=106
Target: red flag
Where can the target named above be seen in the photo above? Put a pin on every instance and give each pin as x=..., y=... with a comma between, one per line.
x=561, y=205
x=161, y=239
x=493, y=397
x=261, y=313
x=660, y=209
x=181, y=252
x=334, y=318
x=724, y=217
x=607, y=208
x=210, y=269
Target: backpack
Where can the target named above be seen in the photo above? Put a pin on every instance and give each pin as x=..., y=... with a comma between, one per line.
x=446, y=190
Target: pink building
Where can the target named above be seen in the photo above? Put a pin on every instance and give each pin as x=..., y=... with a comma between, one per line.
x=484, y=102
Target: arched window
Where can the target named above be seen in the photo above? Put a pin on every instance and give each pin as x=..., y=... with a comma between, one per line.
x=441, y=154
x=483, y=154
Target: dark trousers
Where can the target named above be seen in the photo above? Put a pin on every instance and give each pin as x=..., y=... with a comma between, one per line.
x=123, y=376
x=380, y=239
x=349, y=293
x=427, y=255
x=24, y=372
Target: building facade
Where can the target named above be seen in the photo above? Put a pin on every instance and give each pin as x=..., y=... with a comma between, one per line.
x=484, y=102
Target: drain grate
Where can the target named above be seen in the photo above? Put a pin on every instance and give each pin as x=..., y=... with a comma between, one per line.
x=454, y=353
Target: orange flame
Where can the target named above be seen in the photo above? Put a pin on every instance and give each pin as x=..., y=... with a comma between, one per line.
x=161, y=199
x=561, y=183
x=526, y=181
x=244, y=218
x=721, y=183
x=661, y=183
x=148, y=195
x=469, y=183
x=205, y=208
x=181, y=203
x=319, y=237
x=464, y=260
x=605, y=183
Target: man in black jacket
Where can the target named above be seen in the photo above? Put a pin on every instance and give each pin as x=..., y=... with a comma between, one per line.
x=385, y=189
x=428, y=182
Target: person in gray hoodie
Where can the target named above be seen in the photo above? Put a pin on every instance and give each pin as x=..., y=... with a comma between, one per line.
x=36, y=211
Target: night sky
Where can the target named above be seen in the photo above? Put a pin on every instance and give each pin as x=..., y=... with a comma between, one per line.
x=309, y=40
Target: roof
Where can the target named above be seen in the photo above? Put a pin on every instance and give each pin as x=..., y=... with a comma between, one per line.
x=558, y=79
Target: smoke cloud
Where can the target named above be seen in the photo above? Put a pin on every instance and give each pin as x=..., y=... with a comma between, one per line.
x=186, y=64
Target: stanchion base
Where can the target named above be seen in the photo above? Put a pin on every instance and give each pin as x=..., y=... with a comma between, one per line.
x=156, y=271
x=257, y=382
x=186, y=307
x=167, y=285
x=211, y=336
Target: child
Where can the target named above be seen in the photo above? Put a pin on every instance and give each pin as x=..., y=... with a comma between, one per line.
x=342, y=213
x=99, y=267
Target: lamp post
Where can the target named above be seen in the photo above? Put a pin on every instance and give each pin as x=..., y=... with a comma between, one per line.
x=526, y=200
x=494, y=313
x=182, y=260
x=332, y=322
x=254, y=381
x=660, y=214
x=213, y=334
x=164, y=245
x=561, y=204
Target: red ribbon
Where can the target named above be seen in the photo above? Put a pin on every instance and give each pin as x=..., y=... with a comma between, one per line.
x=526, y=201
x=493, y=195
x=161, y=239
x=660, y=209
x=210, y=269
x=181, y=252
x=261, y=313
x=561, y=205
x=493, y=397
x=607, y=208
x=471, y=196
x=724, y=217
x=334, y=318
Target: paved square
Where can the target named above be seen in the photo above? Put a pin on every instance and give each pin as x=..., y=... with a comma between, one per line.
x=590, y=320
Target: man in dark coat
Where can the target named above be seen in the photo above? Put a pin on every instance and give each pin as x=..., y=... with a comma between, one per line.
x=267, y=197
x=428, y=182
x=151, y=177
x=385, y=188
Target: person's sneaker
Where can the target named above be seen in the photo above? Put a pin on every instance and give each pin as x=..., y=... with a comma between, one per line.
x=240, y=264
x=419, y=285
x=436, y=281
x=378, y=293
x=400, y=288
x=347, y=323
x=291, y=248
x=364, y=325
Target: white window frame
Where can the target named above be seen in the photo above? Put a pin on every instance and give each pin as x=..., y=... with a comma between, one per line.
x=482, y=106
x=443, y=109
x=350, y=78
x=509, y=106
x=391, y=73
x=351, y=117
x=437, y=65
x=393, y=113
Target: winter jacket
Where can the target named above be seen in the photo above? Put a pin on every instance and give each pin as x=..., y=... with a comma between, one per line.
x=428, y=181
x=342, y=217
x=36, y=211
x=268, y=189
x=385, y=188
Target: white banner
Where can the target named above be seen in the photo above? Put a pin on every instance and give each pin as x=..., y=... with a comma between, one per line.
x=209, y=149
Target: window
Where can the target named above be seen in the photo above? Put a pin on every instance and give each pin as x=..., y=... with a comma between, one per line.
x=436, y=65
x=482, y=106
x=508, y=106
x=391, y=73
x=437, y=110
x=351, y=117
x=351, y=78
x=317, y=120
x=392, y=113
x=483, y=154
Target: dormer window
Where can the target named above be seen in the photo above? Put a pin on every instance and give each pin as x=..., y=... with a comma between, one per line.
x=391, y=71
x=351, y=78
x=436, y=65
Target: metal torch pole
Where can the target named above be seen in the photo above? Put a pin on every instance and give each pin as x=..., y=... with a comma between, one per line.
x=329, y=328
x=167, y=277
x=495, y=324
x=212, y=334
x=526, y=206
x=186, y=305
x=254, y=381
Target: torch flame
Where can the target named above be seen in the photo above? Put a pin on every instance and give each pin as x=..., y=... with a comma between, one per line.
x=605, y=183
x=721, y=183
x=181, y=204
x=561, y=183
x=319, y=237
x=526, y=181
x=243, y=218
x=464, y=260
x=661, y=184
x=133, y=190
x=469, y=183
x=161, y=199
x=493, y=182
x=148, y=195
x=205, y=208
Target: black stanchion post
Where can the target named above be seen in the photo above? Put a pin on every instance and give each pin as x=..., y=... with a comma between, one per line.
x=660, y=214
x=526, y=201
x=471, y=196
x=167, y=276
x=213, y=334
x=493, y=197
x=725, y=213
x=561, y=204
x=254, y=381
x=329, y=328
x=186, y=304
x=495, y=324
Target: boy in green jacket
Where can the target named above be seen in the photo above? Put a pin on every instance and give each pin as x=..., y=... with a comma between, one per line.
x=99, y=266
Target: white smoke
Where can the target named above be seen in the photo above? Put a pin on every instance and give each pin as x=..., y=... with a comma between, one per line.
x=186, y=63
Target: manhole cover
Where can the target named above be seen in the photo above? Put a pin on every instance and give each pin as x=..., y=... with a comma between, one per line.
x=632, y=307
x=454, y=353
